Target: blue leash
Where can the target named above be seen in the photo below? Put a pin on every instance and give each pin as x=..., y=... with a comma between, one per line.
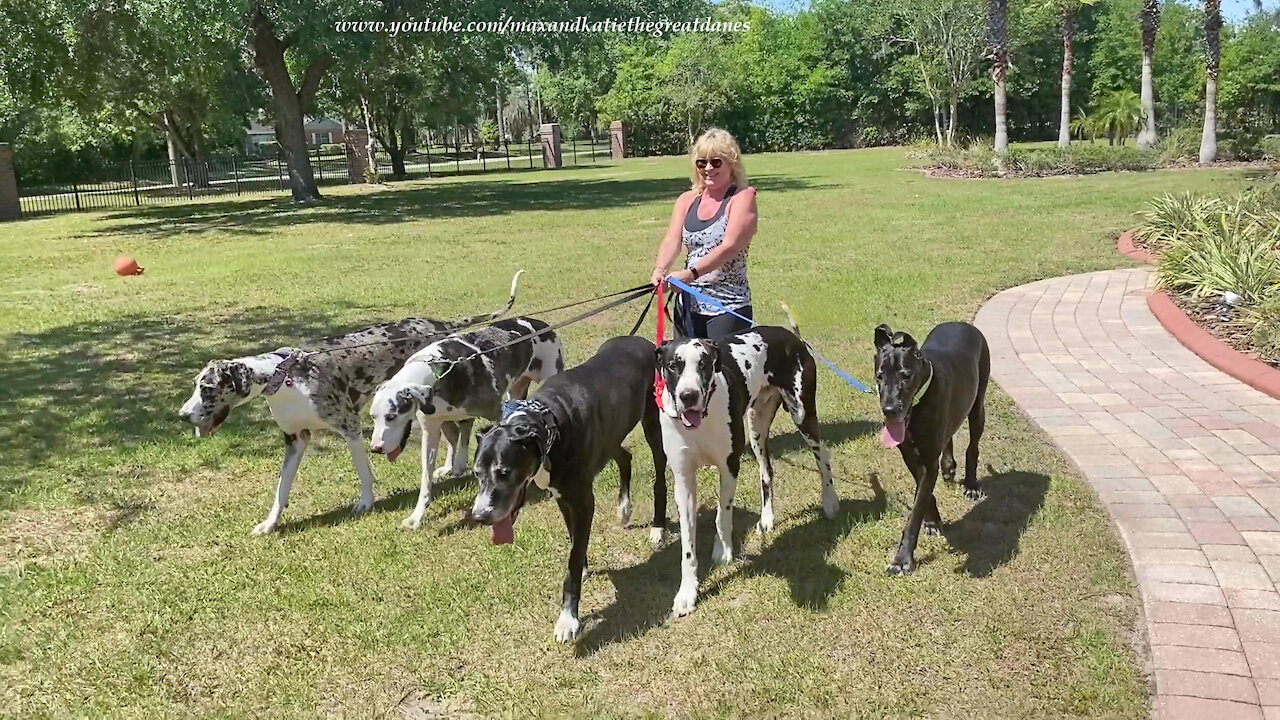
x=716, y=303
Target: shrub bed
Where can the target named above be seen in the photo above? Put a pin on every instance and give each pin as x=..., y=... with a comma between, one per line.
x=1220, y=260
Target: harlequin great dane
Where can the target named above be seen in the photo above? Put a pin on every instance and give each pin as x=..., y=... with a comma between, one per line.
x=449, y=381
x=325, y=390
x=709, y=389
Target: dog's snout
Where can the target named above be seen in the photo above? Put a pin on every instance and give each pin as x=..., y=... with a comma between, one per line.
x=689, y=396
x=891, y=409
x=482, y=511
x=377, y=448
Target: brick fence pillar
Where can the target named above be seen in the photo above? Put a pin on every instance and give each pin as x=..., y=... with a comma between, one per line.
x=10, y=206
x=551, y=145
x=358, y=161
x=618, y=139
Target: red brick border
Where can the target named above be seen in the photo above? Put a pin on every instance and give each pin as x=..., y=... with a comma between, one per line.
x=1255, y=374
x=1128, y=249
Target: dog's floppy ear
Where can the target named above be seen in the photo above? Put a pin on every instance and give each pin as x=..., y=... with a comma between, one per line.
x=716, y=366
x=904, y=340
x=421, y=396
x=884, y=336
x=241, y=378
x=481, y=433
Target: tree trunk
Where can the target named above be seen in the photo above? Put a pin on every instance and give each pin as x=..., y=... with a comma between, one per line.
x=937, y=122
x=175, y=159
x=371, y=174
x=951, y=121
x=498, y=97
x=998, y=36
x=1068, y=26
x=1150, y=25
x=290, y=103
x=1213, y=52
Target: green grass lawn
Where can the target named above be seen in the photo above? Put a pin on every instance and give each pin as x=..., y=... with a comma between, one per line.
x=132, y=587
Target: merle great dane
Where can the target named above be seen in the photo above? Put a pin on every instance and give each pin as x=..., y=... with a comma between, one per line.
x=326, y=390
x=450, y=382
x=571, y=428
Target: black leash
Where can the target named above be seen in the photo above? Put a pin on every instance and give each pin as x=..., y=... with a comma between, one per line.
x=635, y=294
x=644, y=312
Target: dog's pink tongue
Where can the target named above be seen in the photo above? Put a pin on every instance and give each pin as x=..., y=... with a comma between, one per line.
x=692, y=418
x=894, y=433
x=503, y=531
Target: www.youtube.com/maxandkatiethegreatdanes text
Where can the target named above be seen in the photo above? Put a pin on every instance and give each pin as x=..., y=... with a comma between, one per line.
x=509, y=26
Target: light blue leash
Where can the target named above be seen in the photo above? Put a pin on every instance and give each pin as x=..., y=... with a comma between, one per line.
x=717, y=304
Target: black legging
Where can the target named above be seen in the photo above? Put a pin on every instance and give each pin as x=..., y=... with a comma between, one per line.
x=715, y=327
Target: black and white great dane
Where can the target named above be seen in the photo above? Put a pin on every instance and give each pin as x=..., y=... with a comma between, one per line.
x=572, y=427
x=710, y=388
x=448, y=382
x=327, y=390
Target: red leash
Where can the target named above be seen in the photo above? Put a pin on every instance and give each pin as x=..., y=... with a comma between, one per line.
x=659, y=383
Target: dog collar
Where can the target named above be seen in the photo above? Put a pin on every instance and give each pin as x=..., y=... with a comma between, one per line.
x=925, y=387
x=546, y=421
x=281, y=374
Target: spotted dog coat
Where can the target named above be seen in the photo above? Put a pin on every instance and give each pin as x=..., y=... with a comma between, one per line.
x=324, y=391
x=710, y=389
x=440, y=385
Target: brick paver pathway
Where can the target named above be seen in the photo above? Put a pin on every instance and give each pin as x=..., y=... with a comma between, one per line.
x=1186, y=460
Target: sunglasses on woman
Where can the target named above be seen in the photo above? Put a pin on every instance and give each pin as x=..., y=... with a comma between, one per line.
x=702, y=163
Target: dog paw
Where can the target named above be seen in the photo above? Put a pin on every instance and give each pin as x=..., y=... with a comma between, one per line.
x=566, y=627
x=766, y=521
x=931, y=529
x=657, y=536
x=265, y=527
x=974, y=494
x=413, y=522
x=830, y=503
x=442, y=473
x=901, y=567
x=624, y=512
x=686, y=601
x=720, y=553
x=362, y=507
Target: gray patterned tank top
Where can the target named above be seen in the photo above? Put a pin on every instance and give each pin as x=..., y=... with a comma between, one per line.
x=703, y=236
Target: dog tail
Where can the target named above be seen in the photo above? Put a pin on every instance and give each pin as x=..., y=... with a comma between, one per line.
x=791, y=318
x=511, y=301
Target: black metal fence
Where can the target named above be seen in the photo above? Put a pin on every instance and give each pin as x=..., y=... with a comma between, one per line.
x=448, y=160
x=130, y=184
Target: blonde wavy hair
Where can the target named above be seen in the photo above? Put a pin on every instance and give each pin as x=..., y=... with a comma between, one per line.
x=717, y=143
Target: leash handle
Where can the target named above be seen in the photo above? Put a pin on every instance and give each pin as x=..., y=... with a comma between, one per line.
x=716, y=303
x=708, y=299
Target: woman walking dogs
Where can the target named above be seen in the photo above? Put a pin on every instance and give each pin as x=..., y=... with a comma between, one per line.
x=715, y=222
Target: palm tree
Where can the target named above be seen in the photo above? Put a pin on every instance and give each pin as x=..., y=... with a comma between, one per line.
x=1213, y=52
x=998, y=39
x=1119, y=115
x=1150, y=24
x=1067, y=26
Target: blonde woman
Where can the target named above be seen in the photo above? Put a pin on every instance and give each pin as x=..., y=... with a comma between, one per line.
x=714, y=222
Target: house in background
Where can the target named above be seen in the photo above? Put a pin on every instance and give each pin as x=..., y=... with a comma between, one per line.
x=318, y=130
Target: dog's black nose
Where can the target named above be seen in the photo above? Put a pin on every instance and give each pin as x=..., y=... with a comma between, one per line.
x=689, y=397
x=891, y=410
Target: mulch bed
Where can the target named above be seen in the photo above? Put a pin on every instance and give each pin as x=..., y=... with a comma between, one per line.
x=1208, y=315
